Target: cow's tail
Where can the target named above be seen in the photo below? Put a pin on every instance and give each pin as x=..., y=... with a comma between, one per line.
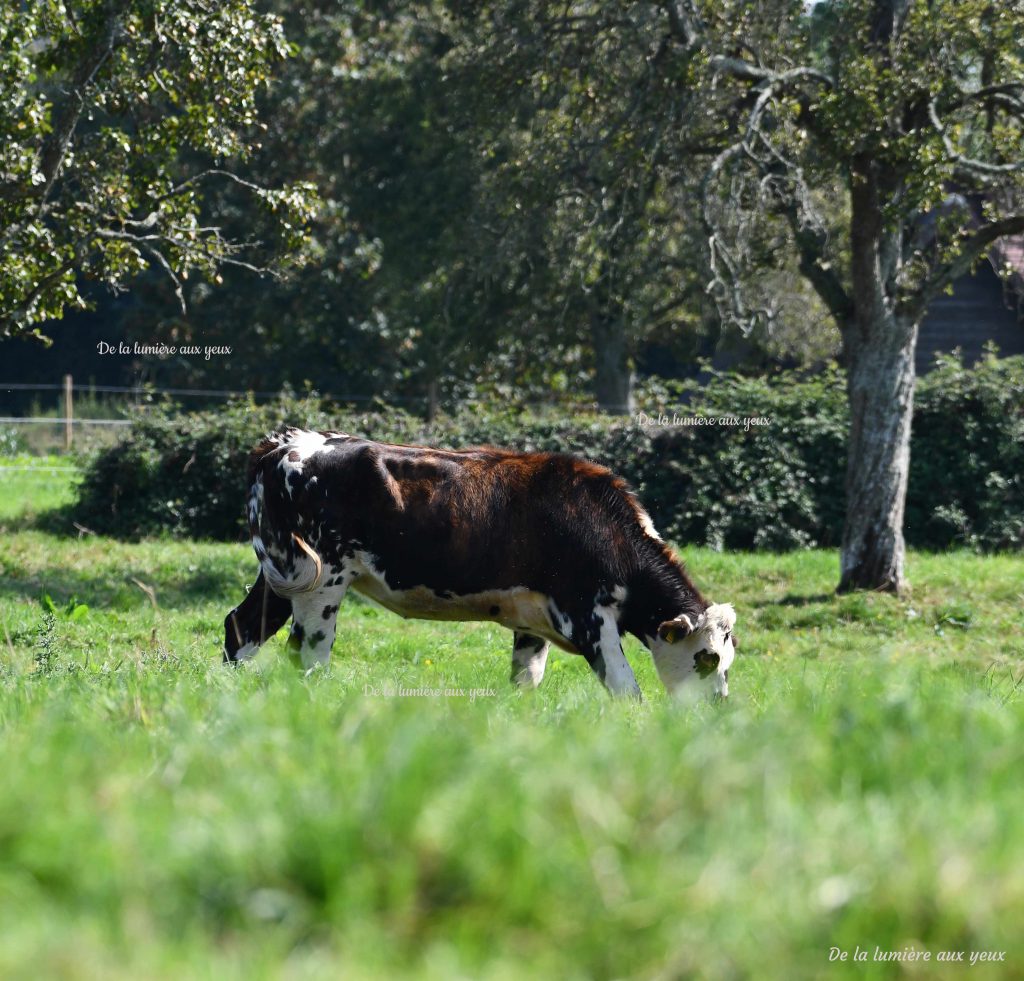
x=307, y=577
x=307, y=564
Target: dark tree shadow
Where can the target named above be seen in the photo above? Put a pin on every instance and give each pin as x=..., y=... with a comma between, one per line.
x=796, y=600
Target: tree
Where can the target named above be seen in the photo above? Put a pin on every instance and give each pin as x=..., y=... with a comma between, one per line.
x=593, y=144
x=119, y=116
x=365, y=111
x=913, y=113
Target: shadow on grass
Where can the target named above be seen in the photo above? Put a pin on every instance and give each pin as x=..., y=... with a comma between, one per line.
x=207, y=582
x=124, y=585
x=63, y=522
x=58, y=521
x=796, y=600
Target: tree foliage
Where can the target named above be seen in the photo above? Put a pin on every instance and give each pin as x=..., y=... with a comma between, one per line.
x=120, y=115
x=363, y=110
x=889, y=124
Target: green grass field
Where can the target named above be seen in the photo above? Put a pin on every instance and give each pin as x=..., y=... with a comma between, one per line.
x=163, y=816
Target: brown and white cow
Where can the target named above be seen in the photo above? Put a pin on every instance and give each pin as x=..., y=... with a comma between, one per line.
x=555, y=548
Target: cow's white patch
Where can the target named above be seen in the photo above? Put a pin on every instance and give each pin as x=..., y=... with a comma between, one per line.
x=721, y=617
x=315, y=616
x=246, y=651
x=646, y=524
x=301, y=445
x=618, y=675
x=255, y=501
x=517, y=608
x=562, y=622
x=529, y=658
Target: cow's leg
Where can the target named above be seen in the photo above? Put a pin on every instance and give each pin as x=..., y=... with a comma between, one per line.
x=601, y=644
x=529, y=656
x=258, y=617
x=314, y=617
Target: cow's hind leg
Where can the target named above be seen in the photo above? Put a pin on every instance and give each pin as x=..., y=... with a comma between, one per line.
x=529, y=656
x=315, y=618
x=258, y=617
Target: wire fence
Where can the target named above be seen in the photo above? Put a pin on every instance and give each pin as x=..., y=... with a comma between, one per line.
x=57, y=433
x=55, y=421
x=70, y=429
x=37, y=433
x=67, y=430
x=37, y=469
x=140, y=391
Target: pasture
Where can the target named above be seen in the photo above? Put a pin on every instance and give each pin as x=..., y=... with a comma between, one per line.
x=164, y=816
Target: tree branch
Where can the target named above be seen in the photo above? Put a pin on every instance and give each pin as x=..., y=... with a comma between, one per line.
x=774, y=166
x=970, y=252
x=992, y=92
x=812, y=249
x=979, y=167
x=684, y=22
x=744, y=70
x=54, y=150
x=10, y=318
x=178, y=290
x=211, y=172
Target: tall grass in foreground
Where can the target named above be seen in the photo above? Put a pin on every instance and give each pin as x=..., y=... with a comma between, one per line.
x=175, y=819
x=165, y=817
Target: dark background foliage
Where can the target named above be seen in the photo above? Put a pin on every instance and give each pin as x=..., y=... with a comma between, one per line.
x=778, y=486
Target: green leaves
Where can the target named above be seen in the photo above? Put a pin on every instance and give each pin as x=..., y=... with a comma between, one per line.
x=118, y=120
x=72, y=610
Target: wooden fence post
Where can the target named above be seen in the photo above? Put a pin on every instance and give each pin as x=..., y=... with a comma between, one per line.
x=67, y=413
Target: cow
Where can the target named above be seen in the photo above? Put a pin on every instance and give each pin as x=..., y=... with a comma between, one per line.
x=555, y=548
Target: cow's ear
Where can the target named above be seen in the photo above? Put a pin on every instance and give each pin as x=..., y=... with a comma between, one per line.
x=672, y=630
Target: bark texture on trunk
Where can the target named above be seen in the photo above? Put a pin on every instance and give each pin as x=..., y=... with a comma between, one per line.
x=880, y=386
x=613, y=374
x=432, y=399
x=878, y=346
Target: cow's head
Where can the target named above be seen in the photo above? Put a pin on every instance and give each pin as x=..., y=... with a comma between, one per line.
x=688, y=649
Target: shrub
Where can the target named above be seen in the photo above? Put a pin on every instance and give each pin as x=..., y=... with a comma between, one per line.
x=967, y=456
x=775, y=486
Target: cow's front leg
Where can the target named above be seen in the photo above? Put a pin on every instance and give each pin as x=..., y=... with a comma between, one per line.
x=600, y=643
x=315, y=617
x=529, y=656
x=259, y=616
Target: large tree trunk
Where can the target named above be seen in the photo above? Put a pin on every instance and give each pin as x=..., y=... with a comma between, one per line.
x=613, y=374
x=878, y=346
x=880, y=386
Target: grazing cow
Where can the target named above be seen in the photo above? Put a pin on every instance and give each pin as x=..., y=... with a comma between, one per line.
x=554, y=548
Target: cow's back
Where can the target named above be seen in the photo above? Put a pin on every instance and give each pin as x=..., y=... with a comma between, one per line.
x=457, y=521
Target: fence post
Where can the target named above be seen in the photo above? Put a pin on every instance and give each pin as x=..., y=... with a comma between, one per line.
x=67, y=413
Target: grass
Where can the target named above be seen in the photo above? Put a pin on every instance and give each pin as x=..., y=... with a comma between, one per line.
x=33, y=485
x=166, y=817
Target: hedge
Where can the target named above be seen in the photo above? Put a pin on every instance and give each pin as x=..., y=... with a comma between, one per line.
x=719, y=483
